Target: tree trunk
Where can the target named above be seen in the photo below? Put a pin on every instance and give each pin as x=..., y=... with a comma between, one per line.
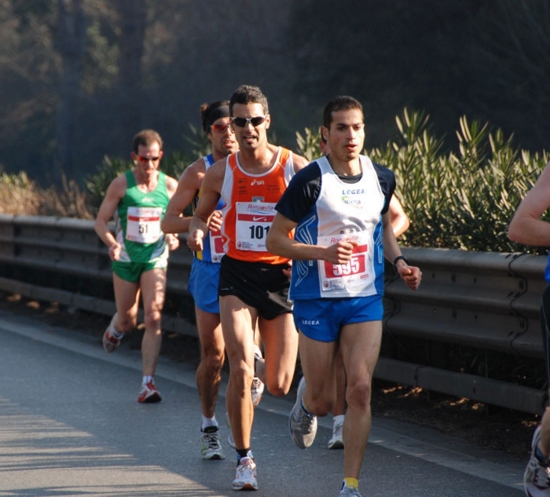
x=132, y=21
x=72, y=36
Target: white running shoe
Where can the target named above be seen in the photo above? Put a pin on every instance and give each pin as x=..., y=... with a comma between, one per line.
x=110, y=342
x=211, y=447
x=245, y=477
x=258, y=387
x=303, y=427
x=337, y=441
x=536, y=479
x=349, y=492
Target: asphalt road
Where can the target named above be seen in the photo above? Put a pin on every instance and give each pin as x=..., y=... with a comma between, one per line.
x=70, y=426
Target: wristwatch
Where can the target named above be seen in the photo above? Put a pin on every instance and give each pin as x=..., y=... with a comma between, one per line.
x=400, y=258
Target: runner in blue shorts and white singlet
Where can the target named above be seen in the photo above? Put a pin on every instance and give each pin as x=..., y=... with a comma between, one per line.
x=338, y=209
x=205, y=272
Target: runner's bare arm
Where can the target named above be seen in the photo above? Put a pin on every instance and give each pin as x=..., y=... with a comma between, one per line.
x=298, y=162
x=115, y=192
x=399, y=220
x=187, y=187
x=411, y=275
x=526, y=226
x=210, y=194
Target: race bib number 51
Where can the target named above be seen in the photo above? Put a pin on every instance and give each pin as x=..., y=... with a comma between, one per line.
x=143, y=224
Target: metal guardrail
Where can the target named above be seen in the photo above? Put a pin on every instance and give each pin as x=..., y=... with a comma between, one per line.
x=488, y=301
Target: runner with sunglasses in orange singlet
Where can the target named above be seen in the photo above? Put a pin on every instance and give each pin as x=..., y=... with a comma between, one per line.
x=205, y=272
x=253, y=285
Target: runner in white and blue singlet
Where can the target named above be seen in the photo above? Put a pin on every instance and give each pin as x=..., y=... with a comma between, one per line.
x=337, y=208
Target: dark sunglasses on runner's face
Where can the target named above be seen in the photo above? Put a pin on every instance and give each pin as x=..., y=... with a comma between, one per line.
x=147, y=159
x=220, y=128
x=241, y=122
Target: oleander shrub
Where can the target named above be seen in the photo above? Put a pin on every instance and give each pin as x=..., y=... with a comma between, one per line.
x=461, y=199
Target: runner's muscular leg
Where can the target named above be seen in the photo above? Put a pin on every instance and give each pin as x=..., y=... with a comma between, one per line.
x=360, y=344
x=127, y=303
x=280, y=340
x=153, y=286
x=238, y=322
x=208, y=374
x=318, y=360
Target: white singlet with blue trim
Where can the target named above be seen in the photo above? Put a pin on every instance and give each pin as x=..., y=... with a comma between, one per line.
x=347, y=212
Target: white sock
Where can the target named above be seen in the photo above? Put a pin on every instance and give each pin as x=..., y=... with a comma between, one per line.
x=116, y=334
x=147, y=379
x=338, y=419
x=208, y=422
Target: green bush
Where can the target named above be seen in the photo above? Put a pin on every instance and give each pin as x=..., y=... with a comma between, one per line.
x=460, y=199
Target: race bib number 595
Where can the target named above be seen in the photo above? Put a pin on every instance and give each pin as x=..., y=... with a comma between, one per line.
x=354, y=275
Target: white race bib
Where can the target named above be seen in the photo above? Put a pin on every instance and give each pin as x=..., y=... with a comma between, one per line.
x=354, y=276
x=253, y=222
x=143, y=224
x=216, y=245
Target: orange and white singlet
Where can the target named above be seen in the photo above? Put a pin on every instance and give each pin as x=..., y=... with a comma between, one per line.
x=250, y=207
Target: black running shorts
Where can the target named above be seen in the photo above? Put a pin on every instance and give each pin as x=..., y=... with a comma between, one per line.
x=259, y=285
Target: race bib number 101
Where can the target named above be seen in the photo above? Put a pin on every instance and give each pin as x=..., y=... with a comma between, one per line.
x=253, y=222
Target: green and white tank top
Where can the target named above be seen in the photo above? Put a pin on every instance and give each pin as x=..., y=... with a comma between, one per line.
x=138, y=220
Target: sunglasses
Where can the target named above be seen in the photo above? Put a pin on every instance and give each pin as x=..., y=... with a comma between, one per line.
x=147, y=159
x=220, y=128
x=241, y=122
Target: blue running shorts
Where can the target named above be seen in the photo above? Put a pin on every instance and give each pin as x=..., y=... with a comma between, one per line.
x=322, y=319
x=203, y=285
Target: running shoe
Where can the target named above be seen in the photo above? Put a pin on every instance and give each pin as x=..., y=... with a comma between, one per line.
x=337, y=441
x=211, y=447
x=257, y=389
x=149, y=394
x=536, y=479
x=110, y=342
x=303, y=427
x=245, y=477
x=349, y=491
x=230, y=439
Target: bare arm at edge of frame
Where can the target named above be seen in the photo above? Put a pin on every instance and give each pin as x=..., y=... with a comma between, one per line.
x=526, y=226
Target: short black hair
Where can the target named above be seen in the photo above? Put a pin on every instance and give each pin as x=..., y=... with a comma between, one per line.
x=335, y=104
x=246, y=94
